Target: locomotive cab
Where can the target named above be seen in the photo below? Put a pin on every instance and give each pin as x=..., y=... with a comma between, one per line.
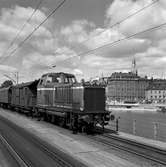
x=54, y=89
x=57, y=78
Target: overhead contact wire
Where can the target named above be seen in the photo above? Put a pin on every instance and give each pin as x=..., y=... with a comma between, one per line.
x=36, y=28
x=24, y=25
x=121, y=21
x=120, y=40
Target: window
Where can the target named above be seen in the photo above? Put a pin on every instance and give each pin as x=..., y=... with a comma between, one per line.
x=53, y=79
x=70, y=79
x=41, y=82
x=49, y=79
x=57, y=79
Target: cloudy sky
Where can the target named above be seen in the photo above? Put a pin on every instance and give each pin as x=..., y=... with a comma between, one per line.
x=78, y=27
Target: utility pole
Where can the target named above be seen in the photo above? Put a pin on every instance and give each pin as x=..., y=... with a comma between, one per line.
x=17, y=77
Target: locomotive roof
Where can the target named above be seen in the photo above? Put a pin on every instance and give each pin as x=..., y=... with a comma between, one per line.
x=59, y=73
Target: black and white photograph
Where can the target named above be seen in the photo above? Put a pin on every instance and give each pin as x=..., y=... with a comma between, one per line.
x=82, y=83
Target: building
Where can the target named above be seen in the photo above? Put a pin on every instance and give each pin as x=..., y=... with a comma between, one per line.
x=126, y=87
x=156, y=91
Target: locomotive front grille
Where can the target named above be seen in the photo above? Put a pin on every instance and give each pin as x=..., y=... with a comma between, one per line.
x=94, y=99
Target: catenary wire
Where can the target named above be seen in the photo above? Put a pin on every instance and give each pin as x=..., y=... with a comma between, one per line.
x=118, y=41
x=36, y=28
x=119, y=22
x=21, y=29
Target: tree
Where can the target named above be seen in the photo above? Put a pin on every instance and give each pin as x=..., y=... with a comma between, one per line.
x=6, y=83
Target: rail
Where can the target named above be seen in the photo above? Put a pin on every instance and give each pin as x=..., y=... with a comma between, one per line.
x=140, y=149
x=61, y=158
x=20, y=161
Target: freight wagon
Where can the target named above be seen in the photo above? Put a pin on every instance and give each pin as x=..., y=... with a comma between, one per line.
x=23, y=96
x=5, y=97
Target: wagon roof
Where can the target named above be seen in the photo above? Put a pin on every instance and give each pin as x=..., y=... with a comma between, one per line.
x=27, y=84
x=5, y=88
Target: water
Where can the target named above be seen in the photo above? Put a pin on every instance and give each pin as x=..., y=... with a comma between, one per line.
x=145, y=123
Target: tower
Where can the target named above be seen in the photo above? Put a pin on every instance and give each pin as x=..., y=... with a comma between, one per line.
x=133, y=67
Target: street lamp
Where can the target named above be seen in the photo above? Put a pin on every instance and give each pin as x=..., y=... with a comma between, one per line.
x=52, y=66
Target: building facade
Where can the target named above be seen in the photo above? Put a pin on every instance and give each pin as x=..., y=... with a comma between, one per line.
x=156, y=91
x=126, y=87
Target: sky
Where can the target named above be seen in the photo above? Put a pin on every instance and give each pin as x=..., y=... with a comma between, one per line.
x=83, y=37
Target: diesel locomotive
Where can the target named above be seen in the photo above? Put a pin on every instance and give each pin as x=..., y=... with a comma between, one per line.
x=59, y=98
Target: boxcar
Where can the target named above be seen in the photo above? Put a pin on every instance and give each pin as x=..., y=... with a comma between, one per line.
x=24, y=96
x=5, y=96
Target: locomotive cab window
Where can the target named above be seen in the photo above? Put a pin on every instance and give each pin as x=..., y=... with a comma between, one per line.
x=49, y=79
x=70, y=79
x=41, y=82
x=53, y=79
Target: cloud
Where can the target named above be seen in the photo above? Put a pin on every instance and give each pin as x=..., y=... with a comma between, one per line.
x=152, y=16
x=111, y=46
x=6, y=68
x=104, y=62
x=41, y=61
x=42, y=41
x=51, y=46
x=77, y=72
x=148, y=47
x=48, y=45
x=18, y=16
x=77, y=31
x=99, y=37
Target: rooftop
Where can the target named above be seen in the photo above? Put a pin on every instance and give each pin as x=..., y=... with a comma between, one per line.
x=157, y=86
x=58, y=74
x=129, y=75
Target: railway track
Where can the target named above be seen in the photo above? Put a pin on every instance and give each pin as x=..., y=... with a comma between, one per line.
x=148, y=152
x=19, y=160
x=53, y=156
